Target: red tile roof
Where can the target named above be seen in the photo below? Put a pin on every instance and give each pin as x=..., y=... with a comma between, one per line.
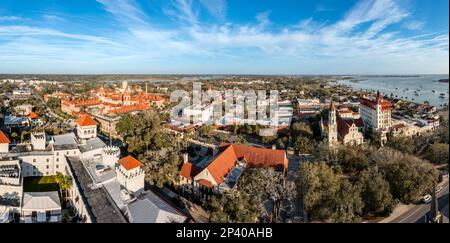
x=85, y=121
x=372, y=102
x=4, y=138
x=33, y=115
x=206, y=183
x=262, y=157
x=399, y=126
x=255, y=157
x=228, y=156
x=222, y=164
x=344, y=125
x=189, y=171
x=130, y=108
x=146, y=97
x=130, y=163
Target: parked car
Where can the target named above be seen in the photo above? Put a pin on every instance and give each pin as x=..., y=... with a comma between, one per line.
x=426, y=199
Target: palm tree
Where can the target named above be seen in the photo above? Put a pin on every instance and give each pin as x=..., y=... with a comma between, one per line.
x=64, y=182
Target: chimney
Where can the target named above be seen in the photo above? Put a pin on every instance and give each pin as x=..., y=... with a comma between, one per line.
x=185, y=158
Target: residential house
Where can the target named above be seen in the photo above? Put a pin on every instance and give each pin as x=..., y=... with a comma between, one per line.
x=41, y=207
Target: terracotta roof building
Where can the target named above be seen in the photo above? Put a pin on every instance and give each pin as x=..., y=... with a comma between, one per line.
x=376, y=112
x=86, y=127
x=33, y=115
x=222, y=171
x=130, y=163
x=131, y=175
x=4, y=138
x=343, y=126
x=85, y=121
x=4, y=143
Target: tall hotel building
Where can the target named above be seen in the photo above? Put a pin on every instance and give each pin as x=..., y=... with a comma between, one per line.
x=376, y=112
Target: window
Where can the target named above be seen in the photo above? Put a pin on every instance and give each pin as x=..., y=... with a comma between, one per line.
x=34, y=172
x=57, y=153
x=34, y=160
x=57, y=166
x=46, y=173
x=48, y=167
x=57, y=160
x=48, y=160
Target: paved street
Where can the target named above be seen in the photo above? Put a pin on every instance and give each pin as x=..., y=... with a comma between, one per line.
x=417, y=213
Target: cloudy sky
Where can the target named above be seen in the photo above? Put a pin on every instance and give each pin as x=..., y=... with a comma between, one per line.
x=225, y=36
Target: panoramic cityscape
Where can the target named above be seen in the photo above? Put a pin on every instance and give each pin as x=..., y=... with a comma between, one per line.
x=216, y=111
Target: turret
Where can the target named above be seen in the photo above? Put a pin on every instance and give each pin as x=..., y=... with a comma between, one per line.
x=38, y=140
x=110, y=156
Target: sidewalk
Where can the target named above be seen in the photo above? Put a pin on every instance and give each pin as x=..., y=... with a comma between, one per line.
x=398, y=211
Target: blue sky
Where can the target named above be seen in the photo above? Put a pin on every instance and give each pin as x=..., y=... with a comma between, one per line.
x=224, y=36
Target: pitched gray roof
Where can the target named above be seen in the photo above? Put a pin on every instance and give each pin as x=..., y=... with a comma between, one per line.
x=150, y=208
x=41, y=201
x=92, y=144
x=65, y=141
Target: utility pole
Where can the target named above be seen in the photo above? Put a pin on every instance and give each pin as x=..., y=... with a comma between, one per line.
x=434, y=216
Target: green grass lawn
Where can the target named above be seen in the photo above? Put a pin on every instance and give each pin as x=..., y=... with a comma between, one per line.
x=40, y=184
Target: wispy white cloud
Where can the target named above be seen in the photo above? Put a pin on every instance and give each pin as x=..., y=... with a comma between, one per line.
x=125, y=11
x=323, y=8
x=415, y=25
x=217, y=8
x=10, y=18
x=185, y=12
x=359, y=41
x=53, y=18
x=263, y=19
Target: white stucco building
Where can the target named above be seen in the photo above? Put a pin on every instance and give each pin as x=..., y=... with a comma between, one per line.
x=376, y=112
x=11, y=188
x=131, y=175
x=199, y=114
x=41, y=207
x=86, y=128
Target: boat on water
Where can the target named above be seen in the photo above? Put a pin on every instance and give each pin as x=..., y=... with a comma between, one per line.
x=442, y=96
x=434, y=91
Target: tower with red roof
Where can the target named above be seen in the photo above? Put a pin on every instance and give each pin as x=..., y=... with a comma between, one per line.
x=376, y=112
x=131, y=175
x=4, y=143
x=86, y=127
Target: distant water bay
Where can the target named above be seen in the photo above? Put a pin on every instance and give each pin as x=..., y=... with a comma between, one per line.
x=417, y=87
